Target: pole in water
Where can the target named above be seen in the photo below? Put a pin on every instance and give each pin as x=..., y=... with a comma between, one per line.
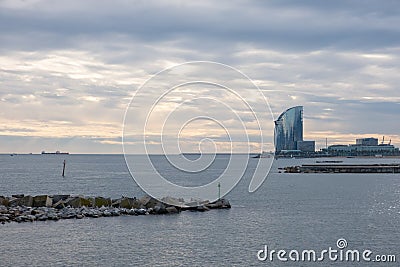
x=63, y=173
x=219, y=191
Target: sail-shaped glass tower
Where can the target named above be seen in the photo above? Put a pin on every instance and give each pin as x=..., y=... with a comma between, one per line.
x=289, y=129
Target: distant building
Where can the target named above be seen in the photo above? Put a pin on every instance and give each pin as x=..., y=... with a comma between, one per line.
x=367, y=141
x=289, y=129
x=306, y=146
x=364, y=147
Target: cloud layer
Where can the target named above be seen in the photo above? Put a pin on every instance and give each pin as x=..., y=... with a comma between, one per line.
x=69, y=68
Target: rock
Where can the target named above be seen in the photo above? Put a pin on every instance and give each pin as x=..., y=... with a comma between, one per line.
x=4, y=202
x=79, y=216
x=42, y=201
x=102, y=208
x=42, y=217
x=107, y=214
x=77, y=202
x=4, y=218
x=148, y=202
x=204, y=202
x=115, y=212
x=141, y=211
x=18, y=196
x=26, y=201
x=225, y=204
x=172, y=209
x=192, y=204
x=57, y=198
x=53, y=217
x=219, y=204
x=3, y=210
x=160, y=209
x=202, y=208
x=129, y=203
x=126, y=203
x=59, y=205
x=132, y=212
x=173, y=201
x=115, y=203
x=101, y=201
x=31, y=218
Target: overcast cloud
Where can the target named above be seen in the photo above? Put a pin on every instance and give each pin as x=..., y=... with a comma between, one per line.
x=69, y=68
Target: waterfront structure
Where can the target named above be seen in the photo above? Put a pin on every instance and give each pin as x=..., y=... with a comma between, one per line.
x=306, y=146
x=364, y=147
x=289, y=141
x=289, y=129
x=367, y=141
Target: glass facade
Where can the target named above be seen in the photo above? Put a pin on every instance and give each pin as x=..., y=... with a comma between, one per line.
x=289, y=129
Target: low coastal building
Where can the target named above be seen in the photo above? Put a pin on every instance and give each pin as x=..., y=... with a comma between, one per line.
x=364, y=147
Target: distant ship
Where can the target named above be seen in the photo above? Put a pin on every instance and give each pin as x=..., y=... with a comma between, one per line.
x=54, y=153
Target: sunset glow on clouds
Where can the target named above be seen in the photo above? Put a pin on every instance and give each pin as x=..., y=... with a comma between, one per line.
x=69, y=68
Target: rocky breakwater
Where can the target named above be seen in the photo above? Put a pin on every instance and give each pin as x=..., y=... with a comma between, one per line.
x=21, y=208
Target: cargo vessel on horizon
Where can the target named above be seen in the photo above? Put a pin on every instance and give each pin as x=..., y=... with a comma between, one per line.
x=55, y=153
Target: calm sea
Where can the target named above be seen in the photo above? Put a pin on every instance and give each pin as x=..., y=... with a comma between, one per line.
x=289, y=211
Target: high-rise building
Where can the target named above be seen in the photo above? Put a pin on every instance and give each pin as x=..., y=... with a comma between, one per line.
x=289, y=129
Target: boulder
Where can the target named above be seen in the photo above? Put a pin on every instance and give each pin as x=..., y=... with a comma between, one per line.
x=116, y=202
x=22, y=201
x=172, y=209
x=101, y=201
x=42, y=201
x=225, y=204
x=3, y=209
x=191, y=205
x=160, y=209
x=77, y=202
x=4, y=218
x=129, y=203
x=141, y=211
x=173, y=201
x=148, y=202
x=219, y=204
x=57, y=198
x=59, y=205
x=4, y=201
x=18, y=195
x=202, y=208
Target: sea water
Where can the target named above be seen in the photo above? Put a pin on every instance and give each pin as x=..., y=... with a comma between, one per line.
x=288, y=212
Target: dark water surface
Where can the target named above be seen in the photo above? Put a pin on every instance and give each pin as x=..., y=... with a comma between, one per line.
x=289, y=211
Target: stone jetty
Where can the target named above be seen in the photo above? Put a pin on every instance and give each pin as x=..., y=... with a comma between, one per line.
x=26, y=208
x=344, y=168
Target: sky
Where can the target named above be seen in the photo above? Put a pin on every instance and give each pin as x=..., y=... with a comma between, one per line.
x=69, y=69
